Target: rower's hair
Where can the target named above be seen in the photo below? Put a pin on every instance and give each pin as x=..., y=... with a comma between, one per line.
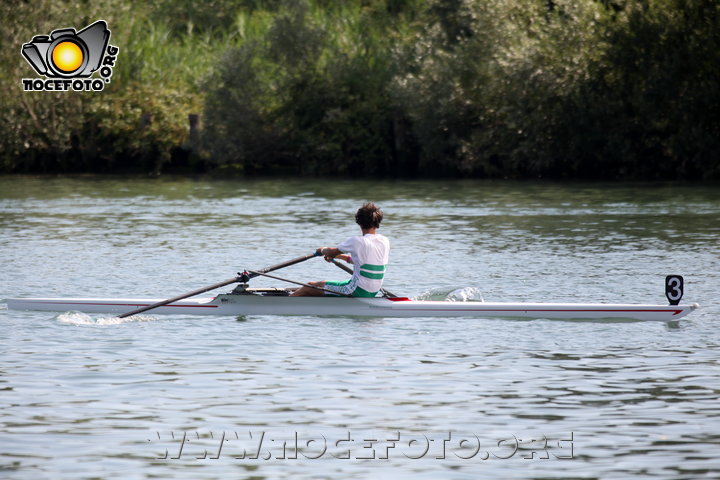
x=369, y=216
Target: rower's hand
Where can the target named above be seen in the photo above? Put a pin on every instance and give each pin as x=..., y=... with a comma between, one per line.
x=344, y=257
x=319, y=252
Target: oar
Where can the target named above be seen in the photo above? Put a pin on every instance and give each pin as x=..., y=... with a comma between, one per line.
x=242, y=277
x=180, y=297
x=349, y=270
x=299, y=283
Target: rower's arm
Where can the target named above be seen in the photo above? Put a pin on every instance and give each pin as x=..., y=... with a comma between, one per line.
x=332, y=252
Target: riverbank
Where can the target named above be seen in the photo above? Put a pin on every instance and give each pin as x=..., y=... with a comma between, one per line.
x=385, y=89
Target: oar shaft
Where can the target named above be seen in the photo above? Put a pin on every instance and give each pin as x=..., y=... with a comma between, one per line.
x=342, y=267
x=180, y=297
x=221, y=284
x=299, y=283
x=254, y=273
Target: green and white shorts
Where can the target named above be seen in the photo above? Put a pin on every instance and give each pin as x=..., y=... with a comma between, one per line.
x=345, y=288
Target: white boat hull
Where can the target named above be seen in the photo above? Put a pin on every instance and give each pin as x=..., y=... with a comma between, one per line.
x=234, y=305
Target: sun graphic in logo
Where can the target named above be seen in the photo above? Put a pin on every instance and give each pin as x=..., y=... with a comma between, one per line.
x=67, y=56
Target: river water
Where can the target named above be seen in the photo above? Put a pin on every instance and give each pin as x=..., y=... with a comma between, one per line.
x=85, y=396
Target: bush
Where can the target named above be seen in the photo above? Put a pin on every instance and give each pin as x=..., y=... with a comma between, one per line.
x=494, y=88
x=309, y=95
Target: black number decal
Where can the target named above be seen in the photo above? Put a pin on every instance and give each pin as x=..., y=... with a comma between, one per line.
x=674, y=288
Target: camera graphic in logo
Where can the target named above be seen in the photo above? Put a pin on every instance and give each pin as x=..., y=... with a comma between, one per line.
x=67, y=54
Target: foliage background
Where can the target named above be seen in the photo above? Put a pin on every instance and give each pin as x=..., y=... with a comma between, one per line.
x=486, y=88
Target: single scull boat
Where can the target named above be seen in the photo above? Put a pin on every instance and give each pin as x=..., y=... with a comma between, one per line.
x=277, y=301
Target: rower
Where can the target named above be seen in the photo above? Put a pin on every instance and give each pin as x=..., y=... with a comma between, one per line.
x=368, y=253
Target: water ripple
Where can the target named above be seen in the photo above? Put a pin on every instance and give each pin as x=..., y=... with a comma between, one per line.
x=93, y=396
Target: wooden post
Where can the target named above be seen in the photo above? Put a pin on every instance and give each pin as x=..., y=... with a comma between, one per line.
x=193, y=120
x=145, y=120
x=194, y=133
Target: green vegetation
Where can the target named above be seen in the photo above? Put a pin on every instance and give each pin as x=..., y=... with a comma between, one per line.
x=488, y=88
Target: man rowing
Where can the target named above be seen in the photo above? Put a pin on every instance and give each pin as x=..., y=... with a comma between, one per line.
x=368, y=253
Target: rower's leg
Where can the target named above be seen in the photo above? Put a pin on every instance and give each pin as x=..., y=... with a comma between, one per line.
x=308, y=291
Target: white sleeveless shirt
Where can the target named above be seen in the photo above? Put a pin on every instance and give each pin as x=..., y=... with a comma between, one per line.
x=369, y=253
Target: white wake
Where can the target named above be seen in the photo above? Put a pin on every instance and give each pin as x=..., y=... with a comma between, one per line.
x=80, y=318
